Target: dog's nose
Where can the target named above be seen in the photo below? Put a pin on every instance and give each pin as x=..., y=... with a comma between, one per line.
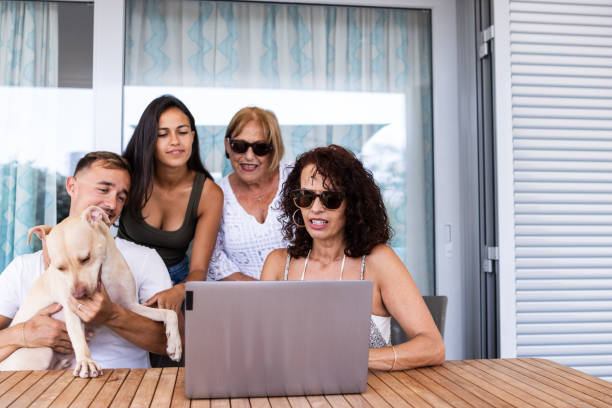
x=79, y=293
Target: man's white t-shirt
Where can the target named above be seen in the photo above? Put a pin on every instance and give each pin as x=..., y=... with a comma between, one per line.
x=107, y=348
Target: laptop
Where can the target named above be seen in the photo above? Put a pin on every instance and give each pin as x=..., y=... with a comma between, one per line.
x=276, y=338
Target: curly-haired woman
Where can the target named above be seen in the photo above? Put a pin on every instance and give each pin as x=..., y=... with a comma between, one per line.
x=336, y=225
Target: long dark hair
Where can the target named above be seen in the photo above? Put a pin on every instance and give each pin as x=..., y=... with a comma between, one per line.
x=367, y=224
x=140, y=151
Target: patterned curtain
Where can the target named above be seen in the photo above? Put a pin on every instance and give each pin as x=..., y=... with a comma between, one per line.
x=304, y=47
x=28, y=58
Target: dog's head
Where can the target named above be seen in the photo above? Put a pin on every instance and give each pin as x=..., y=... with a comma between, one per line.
x=76, y=249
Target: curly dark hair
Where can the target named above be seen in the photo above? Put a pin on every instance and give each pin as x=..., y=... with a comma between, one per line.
x=367, y=224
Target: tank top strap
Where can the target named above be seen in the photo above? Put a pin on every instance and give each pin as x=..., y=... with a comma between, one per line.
x=362, y=266
x=287, y=266
x=194, y=197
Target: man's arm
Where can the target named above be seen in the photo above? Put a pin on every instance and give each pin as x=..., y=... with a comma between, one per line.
x=41, y=330
x=139, y=330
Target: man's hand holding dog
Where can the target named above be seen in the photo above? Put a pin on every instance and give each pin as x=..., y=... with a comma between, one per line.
x=42, y=330
x=96, y=310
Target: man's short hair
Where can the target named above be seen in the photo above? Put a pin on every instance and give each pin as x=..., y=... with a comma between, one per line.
x=107, y=160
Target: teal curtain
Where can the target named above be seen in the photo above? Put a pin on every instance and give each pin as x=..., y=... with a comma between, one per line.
x=28, y=58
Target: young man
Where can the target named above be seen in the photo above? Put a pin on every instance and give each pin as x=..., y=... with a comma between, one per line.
x=123, y=338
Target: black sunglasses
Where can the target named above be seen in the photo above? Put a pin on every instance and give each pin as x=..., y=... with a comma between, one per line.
x=259, y=148
x=332, y=200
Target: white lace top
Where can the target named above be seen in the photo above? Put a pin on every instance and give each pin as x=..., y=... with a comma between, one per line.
x=243, y=243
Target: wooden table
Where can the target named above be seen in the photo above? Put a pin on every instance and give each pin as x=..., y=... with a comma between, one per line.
x=470, y=383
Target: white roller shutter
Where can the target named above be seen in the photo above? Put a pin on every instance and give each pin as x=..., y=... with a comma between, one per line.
x=561, y=65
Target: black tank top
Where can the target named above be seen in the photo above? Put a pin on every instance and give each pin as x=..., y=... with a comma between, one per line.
x=170, y=245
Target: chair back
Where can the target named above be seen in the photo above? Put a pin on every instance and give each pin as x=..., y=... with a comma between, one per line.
x=437, y=308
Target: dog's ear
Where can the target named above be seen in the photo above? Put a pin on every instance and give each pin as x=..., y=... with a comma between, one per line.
x=95, y=214
x=41, y=232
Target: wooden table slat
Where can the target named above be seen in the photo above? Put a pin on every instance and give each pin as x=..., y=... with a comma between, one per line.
x=337, y=401
x=179, y=400
x=19, y=388
x=585, y=393
x=496, y=387
x=429, y=396
x=13, y=380
x=200, y=403
x=357, y=401
x=374, y=398
x=575, y=375
x=110, y=388
x=70, y=393
x=468, y=386
x=567, y=394
x=35, y=390
x=400, y=385
x=438, y=380
x=128, y=389
x=540, y=392
x=392, y=396
x=451, y=398
x=279, y=402
x=165, y=388
x=525, y=391
x=240, y=403
x=50, y=394
x=91, y=390
x=146, y=389
x=298, y=402
x=220, y=403
x=318, y=401
x=262, y=402
x=5, y=374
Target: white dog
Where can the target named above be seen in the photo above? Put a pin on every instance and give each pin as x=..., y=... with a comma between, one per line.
x=82, y=252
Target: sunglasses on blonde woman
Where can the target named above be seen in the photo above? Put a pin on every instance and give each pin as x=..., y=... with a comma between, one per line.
x=259, y=148
x=303, y=198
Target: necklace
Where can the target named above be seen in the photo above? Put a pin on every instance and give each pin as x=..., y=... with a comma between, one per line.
x=306, y=264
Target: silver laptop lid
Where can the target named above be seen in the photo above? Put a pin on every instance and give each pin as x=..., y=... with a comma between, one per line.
x=247, y=339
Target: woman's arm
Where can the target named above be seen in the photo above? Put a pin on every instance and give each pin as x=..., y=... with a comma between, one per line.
x=209, y=215
x=401, y=298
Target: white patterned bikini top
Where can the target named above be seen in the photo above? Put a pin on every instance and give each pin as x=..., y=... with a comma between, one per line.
x=380, y=326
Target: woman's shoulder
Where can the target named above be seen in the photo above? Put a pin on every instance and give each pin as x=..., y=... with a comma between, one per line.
x=383, y=258
x=211, y=194
x=274, y=266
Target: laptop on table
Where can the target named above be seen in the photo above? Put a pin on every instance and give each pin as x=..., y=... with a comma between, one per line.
x=276, y=338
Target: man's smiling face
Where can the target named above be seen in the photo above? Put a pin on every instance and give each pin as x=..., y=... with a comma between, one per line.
x=96, y=185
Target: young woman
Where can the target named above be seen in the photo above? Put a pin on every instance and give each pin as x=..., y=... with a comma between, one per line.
x=173, y=199
x=337, y=228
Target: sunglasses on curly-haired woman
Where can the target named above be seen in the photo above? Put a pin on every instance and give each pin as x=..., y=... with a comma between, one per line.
x=304, y=198
x=259, y=148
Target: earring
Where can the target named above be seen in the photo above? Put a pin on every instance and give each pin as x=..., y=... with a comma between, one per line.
x=297, y=224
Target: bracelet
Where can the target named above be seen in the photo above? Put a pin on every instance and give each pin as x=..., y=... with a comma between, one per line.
x=25, y=343
x=394, y=358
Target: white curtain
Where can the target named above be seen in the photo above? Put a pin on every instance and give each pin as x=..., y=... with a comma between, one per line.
x=28, y=46
x=28, y=58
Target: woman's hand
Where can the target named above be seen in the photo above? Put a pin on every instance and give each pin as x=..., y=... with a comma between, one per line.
x=169, y=299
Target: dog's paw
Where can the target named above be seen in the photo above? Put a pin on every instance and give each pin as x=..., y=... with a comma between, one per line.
x=87, y=368
x=174, y=348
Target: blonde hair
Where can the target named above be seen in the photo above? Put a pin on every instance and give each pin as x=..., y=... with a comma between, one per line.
x=269, y=124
